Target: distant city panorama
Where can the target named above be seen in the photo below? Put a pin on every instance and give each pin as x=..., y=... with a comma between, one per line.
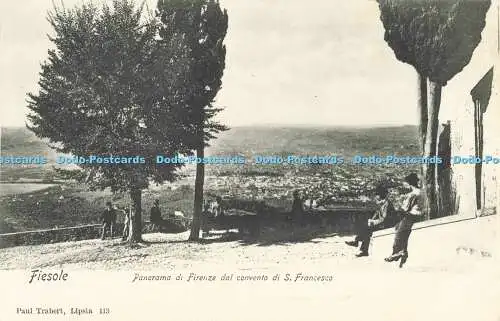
x=228, y=159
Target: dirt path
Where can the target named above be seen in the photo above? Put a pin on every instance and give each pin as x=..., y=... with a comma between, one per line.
x=169, y=251
x=172, y=252
x=362, y=289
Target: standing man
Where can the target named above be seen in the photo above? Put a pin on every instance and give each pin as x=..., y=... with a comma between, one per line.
x=108, y=216
x=155, y=214
x=297, y=208
x=384, y=217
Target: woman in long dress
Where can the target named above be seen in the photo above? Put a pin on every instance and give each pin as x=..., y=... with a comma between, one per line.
x=411, y=212
x=126, y=222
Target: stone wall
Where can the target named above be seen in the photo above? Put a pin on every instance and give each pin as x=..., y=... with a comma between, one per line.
x=77, y=233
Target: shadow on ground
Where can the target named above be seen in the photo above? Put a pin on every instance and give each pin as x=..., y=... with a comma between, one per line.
x=279, y=235
x=291, y=235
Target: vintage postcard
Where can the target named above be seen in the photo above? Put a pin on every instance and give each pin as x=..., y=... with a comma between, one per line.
x=250, y=160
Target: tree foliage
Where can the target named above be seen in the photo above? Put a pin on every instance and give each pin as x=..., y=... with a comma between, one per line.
x=106, y=89
x=197, y=28
x=437, y=37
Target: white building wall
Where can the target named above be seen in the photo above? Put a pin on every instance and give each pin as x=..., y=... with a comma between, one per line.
x=462, y=143
x=458, y=101
x=491, y=171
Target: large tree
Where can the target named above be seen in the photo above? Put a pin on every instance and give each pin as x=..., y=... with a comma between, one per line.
x=438, y=38
x=106, y=89
x=199, y=27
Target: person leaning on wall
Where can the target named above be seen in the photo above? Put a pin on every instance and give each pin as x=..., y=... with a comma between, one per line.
x=411, y=212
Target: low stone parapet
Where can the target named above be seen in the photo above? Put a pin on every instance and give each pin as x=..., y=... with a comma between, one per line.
x=79, y=233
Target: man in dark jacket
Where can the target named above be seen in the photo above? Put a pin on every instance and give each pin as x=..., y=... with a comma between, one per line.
x=297, y=214
x=108, y=218
x=155, y=214
x=384, y=217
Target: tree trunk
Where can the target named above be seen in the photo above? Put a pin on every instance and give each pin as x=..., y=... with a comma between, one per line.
x=422, y=106
x=198, y=195
x=429, y=183
x=135, y=234
x=422, y=109
x=444, y=173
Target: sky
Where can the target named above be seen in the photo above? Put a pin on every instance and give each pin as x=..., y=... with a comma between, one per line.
x=288, y=62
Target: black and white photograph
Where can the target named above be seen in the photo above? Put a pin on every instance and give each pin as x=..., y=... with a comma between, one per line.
x=232, y=160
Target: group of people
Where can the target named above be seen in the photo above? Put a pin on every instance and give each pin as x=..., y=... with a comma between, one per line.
x=211, y=208
x=387, y=216
x=214, y=207
x=109, y=216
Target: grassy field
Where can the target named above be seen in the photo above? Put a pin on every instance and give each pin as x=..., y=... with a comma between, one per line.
x=72, y=205
x=21, y=188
